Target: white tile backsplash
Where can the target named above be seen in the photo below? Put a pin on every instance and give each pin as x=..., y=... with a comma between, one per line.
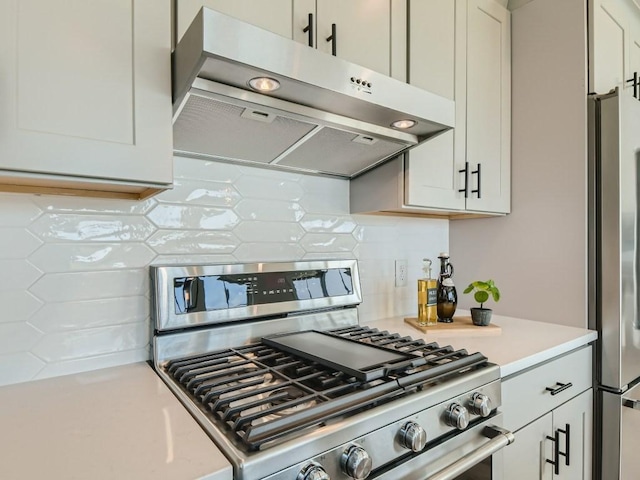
x=75, y=288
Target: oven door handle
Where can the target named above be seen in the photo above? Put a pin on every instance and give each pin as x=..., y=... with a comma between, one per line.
x=500, y=438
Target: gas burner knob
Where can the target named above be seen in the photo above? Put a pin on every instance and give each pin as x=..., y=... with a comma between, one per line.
x=480, y=404
x=356, y=462
x=456, y=416
x=413, y=437
x=313, y=471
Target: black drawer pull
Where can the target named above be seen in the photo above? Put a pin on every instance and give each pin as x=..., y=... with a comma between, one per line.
x=561, y=388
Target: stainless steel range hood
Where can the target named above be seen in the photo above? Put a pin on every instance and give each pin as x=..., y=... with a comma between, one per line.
x=327, y=116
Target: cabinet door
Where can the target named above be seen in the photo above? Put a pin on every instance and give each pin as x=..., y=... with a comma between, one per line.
x=363, y=31
x=526, y=458
x=432, y=169
x=489, y=106
x=86, y=89
x=575, y=420
x=634, y=48
x=611, y=32
x=274, y=15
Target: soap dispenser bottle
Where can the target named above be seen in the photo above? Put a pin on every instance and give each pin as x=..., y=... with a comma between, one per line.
x=427, y=297
x=447, y=295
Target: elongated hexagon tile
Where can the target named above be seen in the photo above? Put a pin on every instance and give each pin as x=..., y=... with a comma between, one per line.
x=75, y=205
x=327, y=243
x=184, y=167
x=249, y=231
x=17, y=337
x=269, y=172
x=328, y=202
x=197, y=192
x=267, y=187
x=17, y=243
x=325, y=256
x=72, y=257
x=19, y=367
x=192, y=217
x=61, y=346
x=268, y=252
x=193, y=242
x=324, y=185
x=269, y=210
x=78, y=315
x=18, y=306
x=189, y=259
x=92, y=228
x=68, y=287
x=18, y=210
x=78, y=365
x=17, y=274
x=318, y=223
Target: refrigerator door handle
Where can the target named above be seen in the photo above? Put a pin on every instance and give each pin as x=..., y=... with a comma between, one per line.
x=631, y=403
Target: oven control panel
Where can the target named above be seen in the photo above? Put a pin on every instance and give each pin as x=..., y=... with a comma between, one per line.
x=216, y=292
x=401, y=441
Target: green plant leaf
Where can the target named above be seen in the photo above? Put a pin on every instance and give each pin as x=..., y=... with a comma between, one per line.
x=496, y=295
x=468, y=289
x=481, y=296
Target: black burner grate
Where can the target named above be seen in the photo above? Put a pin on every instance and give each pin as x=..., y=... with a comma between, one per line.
x=263, y=394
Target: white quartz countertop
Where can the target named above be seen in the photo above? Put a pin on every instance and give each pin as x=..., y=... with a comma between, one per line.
x=120, y=422
x=521, y=343
x=124, y=423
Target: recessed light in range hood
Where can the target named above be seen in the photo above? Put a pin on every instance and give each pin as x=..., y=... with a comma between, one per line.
x=326, y=116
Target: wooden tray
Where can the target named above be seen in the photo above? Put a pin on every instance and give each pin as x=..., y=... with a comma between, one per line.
x=461, y=327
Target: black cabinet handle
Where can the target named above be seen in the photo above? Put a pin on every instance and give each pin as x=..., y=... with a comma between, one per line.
x=465, y=170
x=556, y=452
x=561, y=388
x=333, y=39
x=309, y=30
x=636, y=85
x=567, y=442
x=477, y=172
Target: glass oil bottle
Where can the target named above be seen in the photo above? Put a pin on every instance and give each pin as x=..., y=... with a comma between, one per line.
x=427, y=297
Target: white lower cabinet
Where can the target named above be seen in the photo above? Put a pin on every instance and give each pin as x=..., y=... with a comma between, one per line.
x=530, y=456
x=550, y=410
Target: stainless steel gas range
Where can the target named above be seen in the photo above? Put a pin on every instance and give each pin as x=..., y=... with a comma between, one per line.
x=271, y=360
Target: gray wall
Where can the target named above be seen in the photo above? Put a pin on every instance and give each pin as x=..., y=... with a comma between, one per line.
x=537, y=254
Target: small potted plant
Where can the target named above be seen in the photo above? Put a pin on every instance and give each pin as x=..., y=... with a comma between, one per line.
x=482, y=316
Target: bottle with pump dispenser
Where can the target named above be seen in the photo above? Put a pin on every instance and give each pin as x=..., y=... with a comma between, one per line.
x=447, y=295
x=427, y=297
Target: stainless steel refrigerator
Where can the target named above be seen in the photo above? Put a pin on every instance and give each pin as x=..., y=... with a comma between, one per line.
x=614, y=228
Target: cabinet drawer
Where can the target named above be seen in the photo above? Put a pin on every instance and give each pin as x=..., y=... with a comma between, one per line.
x=525, y=396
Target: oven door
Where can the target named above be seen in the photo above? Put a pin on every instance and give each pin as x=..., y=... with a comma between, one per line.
x=475, y=454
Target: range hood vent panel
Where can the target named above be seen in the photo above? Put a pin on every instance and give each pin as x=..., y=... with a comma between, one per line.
x=340, y=153
x=319, y=109
x=206, y=125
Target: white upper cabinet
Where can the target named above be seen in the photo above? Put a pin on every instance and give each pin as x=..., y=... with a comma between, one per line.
x=432, y=169
x=488, y=102
x=460, y=50
x=614, y=44
x=272, y=15
x=367, y=32
x=362, y=31
x=86, y=96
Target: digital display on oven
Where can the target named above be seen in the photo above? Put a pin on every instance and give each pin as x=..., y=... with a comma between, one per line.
x=216, y=292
